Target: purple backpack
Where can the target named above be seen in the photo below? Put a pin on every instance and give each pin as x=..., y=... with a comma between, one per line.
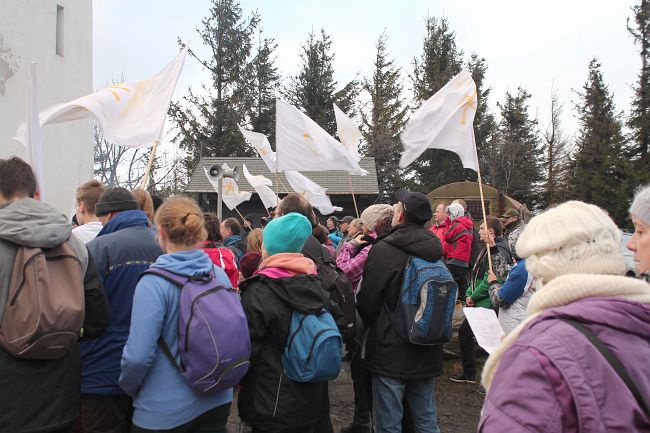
x=213, y=337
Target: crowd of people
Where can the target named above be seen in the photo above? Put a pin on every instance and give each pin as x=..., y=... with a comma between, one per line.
x=574, y=357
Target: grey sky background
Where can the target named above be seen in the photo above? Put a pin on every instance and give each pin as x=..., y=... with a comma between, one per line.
x=535, y=45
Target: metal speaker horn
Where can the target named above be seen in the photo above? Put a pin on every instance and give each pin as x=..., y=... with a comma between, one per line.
x=215, y=172
x=234, y=173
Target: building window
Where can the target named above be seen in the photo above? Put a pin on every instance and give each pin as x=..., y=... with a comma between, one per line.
x=59, y=30
x=474, y=208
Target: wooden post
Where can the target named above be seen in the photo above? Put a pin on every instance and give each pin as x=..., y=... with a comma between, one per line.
x=243, y=219
x=480, y=188
x=356, y=209
x=152, y=155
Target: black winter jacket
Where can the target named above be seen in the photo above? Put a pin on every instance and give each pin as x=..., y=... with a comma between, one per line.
x=270, y=401
x=388, y=354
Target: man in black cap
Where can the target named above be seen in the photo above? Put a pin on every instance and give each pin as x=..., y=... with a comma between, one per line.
x=123, y=249
x=399, y=368
x=344, y=225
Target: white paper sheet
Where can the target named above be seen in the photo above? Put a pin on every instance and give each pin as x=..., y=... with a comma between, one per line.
x=486, y=327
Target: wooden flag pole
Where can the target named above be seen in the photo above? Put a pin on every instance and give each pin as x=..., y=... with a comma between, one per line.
x=243, y=219
x=356, y=209
x=480, y=188
x=277, y=187
x=152, y=154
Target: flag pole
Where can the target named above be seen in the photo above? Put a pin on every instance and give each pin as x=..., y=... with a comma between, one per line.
x=243, y=219
x=480, y=189
x=356, y=209
x=152, y=155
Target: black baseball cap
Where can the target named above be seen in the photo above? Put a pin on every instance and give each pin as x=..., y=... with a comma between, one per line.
x=417, y=206
x=347, y=219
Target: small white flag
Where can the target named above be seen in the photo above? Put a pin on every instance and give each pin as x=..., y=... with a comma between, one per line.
x=444, y=121
x=315, y=194
x=348, y=133
x=262, y=146
x=131, y=114
x=261, y=185
x=303, y=145
x=33, y=140
x=232, y=197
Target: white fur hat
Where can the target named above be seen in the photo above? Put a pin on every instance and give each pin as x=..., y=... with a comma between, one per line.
x=572, y=238
x=455, y=210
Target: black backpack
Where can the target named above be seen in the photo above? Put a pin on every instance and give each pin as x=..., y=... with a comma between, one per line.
x=339, y=287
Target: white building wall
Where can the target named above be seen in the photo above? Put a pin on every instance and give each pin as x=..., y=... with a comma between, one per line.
x=28, y=34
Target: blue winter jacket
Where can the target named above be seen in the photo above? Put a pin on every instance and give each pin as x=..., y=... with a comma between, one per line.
x=236, y=245
x=161, y=397
x=122, y=250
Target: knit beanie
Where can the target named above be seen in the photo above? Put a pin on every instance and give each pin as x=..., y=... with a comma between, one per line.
x=641, y=204
x=115, y=200
x=573, y=238
x=286, y=234
x=455, y=210
x=375, y=213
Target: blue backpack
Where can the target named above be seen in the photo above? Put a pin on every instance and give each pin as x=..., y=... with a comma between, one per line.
x=426, y=303
x=313, y=350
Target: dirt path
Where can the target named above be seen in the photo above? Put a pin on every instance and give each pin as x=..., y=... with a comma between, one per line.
x=459, y=405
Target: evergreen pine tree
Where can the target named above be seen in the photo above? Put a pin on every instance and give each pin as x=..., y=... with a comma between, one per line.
x=599, y=166
x=513, y=161
x=313, y=90
x=556, y=161
x=639, y=120
x=485, y=126
x=262, y=85
x=439, y=62
x=207, y=122
x=384, y=120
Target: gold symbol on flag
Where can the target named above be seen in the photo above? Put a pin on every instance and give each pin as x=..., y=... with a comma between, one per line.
x=114, y=90
x=229, y=189
x=468, y=102
x=263, y=151
x=310, y=144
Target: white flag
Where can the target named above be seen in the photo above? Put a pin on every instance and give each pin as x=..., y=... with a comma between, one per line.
x=231, y=195
x=131, y=114
x=262, y=146
x=303, y=145
x=348, y=133
x=33, y=140
x=444, y=121
x=261, y=185
x=315, y=194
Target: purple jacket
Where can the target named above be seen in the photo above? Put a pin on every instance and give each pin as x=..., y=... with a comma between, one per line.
x=554, y=380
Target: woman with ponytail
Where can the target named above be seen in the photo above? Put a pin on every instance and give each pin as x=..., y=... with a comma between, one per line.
x=162, y=399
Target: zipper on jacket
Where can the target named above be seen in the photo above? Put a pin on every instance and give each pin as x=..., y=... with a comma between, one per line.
x=189, y=321
x=277, y=396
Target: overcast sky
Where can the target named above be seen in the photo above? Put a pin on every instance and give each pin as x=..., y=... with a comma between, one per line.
x=535, y=45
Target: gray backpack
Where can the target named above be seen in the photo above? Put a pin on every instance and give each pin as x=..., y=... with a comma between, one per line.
x=44, y=312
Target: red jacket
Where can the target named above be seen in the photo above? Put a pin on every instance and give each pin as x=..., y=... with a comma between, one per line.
x=225, y=259
x=458, y=241
x=439, y=230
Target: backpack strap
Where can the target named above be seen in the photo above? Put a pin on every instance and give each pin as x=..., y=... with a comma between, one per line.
x=613, y=361
x=168, y=353
x=179, y=281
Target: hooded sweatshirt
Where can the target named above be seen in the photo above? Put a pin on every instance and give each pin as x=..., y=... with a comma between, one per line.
x=270, y=401
x=162, y=399
x=387, y=354
x=43, y=395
